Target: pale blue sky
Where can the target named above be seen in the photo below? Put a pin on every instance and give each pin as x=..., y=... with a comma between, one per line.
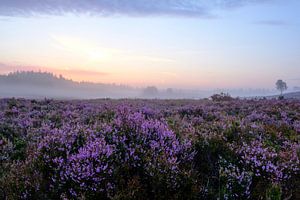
x=231, y=45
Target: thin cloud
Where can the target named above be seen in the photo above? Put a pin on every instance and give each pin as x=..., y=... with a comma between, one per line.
x=7, y=68
x=145, y=58
x=4, y=19
x=294, y=79
x=96, y=53
x=2, y=65
x=271, y=23
x=83, y=72
x=190, y=8
x=237, y=3
x=171, y=74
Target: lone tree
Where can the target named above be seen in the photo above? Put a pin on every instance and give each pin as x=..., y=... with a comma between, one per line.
x=281, y=86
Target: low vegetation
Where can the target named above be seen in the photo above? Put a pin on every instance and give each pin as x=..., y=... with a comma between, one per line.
x=150, y=149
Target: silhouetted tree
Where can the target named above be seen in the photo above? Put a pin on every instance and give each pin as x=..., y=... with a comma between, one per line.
x=281, y=86
x=37, y=83
x=221, y=97
x=169, y=91
x=150, y=91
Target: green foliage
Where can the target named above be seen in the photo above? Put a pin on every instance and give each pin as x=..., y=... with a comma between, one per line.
x=274, y=192
x=233, y=132
x=19, y=152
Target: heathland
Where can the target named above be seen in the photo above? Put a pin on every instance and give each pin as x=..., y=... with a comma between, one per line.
x=149, y=149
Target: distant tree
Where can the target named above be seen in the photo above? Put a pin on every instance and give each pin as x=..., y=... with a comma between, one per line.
x=221, y=97
x=150, y=91
x=169, y=91
x=281, y=86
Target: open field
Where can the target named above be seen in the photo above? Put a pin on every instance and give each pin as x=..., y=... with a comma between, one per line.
x=149, y=149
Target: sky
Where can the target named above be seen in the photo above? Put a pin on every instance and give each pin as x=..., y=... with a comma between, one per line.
x=195, y=44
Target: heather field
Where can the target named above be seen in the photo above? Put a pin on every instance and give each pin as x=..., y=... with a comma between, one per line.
x=149, y=149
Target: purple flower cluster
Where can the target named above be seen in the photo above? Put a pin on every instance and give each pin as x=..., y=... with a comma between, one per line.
x=267, y=162
x=149, y=149
x=89, y=155
x=238, y=181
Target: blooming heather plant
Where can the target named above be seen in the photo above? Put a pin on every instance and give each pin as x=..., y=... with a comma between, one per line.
x=149, y=149
x=99, y=159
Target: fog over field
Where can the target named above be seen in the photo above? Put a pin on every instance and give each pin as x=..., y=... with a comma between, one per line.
x=46, y=85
